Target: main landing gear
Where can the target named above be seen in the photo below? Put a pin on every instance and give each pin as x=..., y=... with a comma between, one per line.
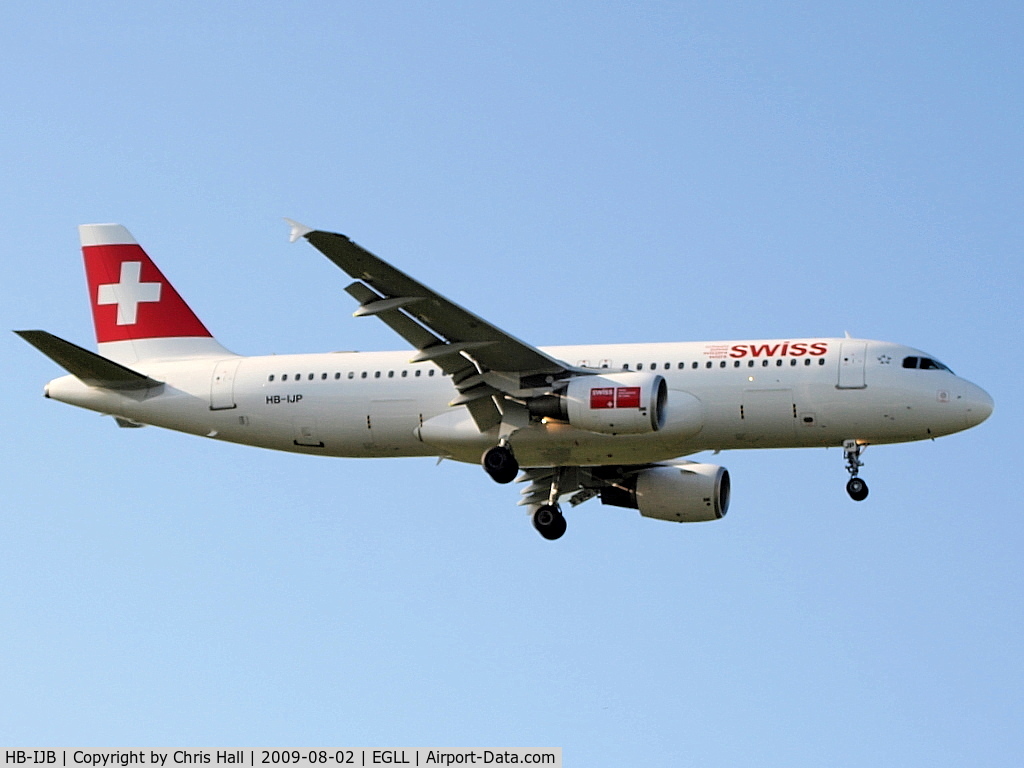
x=500, y=463
x=548, y=519
x=856, y=487
x=549, y=522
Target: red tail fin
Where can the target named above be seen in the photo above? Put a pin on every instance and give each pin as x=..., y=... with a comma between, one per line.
x=136, y=311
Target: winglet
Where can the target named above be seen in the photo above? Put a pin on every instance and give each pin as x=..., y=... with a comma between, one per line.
x=298, y=230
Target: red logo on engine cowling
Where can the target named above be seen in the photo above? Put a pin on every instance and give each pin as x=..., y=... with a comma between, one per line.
x=627, y=397
x=614, y=397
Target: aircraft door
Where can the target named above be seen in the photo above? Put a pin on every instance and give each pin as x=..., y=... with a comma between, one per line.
x=391, y=424
x=767, y=417
x=222, y=386
x=852, y=358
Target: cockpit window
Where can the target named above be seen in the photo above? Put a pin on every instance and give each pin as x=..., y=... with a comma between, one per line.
x=924, y=364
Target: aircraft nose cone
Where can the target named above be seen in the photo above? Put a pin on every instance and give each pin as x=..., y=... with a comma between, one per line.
x=979, y=405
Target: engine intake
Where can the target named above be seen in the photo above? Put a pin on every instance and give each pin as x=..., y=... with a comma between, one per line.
x=686, y=493
x=617, y=404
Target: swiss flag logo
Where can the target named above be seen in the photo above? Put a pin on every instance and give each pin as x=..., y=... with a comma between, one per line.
x=131, y=299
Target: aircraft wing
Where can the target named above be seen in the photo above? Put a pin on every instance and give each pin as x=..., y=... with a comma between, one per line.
x=464, y=345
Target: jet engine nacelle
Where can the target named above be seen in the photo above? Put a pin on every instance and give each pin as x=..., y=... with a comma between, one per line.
x=616, y=404
x=683, y=493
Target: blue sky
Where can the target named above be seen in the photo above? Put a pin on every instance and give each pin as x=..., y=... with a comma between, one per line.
x=575, y=172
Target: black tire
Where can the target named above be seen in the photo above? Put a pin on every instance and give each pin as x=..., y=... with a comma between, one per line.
x=500, y=464
x=857, y=489
x=549, y=522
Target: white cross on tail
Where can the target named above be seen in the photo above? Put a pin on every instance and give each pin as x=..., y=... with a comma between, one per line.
x=128, y=293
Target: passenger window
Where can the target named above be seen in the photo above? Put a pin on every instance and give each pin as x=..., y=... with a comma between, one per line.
x=807, y=361
x=764, y=363
x=337, y=375
x=708, y=364
x=376, y=374
x=750, y=363
x=271, y=377
x=821, y=361
x=362, y=375
x=625, y=366
x=778, y=362
x=285, y=377
x=682, y=365
x=419, y=371
x=323, y=376
x=722, y=364
x=404, y=374
x=695, y=365
x=298, y=377
x=793, y=361
x=351, y=374
x=736, y=364
x=431, y=373
x=639, y=366
x=311, y=377
x=391, y=374
x=667, y=366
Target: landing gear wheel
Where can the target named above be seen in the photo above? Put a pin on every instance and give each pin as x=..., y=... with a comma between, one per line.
x=857, y=489
x=500, y=464
x=549, y=522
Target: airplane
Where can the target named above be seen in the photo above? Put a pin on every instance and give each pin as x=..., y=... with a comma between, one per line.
x=611, y=421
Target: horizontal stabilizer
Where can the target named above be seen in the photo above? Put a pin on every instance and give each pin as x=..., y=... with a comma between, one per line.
x=95, y=370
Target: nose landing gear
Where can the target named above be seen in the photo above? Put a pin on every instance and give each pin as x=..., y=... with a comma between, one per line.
x=856, y=487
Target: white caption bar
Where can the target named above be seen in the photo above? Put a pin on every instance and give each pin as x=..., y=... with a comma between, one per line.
x=278, y=758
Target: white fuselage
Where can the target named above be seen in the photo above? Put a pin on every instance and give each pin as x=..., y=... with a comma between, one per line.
x=612, y=421
x=722, y=395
